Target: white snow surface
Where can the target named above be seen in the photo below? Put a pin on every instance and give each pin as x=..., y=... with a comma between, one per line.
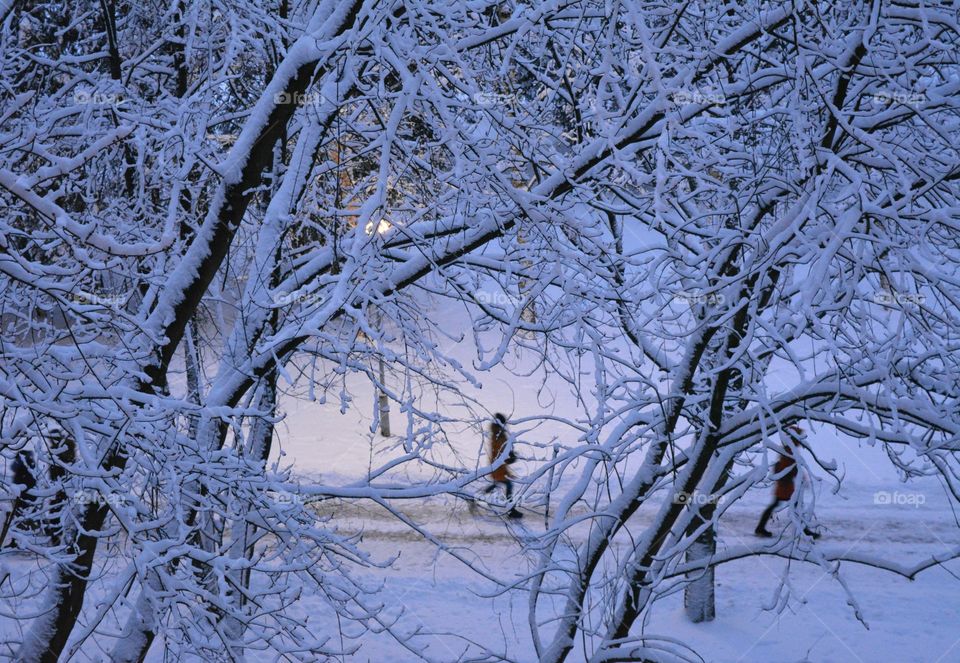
x=873, y=515
x=453, y=611
x=910, y=621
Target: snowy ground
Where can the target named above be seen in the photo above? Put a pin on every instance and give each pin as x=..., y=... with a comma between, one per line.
x=908, y=620
x=451, y=606
x=435, y=595
x=453, y=609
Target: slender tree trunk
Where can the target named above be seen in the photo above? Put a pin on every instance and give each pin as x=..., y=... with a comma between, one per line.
x=48, y=635
x=243, y=533
x=698, y=596
x=383, y=401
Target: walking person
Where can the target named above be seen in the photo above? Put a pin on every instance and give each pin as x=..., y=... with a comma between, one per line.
x=497, y=445
x=786, y=471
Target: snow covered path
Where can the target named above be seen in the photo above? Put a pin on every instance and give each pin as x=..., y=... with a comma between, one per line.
x=455, y=611
x=910, y=621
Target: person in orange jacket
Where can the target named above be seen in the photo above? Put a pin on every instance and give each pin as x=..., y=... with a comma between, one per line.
x=786, y=471
x=502, y=475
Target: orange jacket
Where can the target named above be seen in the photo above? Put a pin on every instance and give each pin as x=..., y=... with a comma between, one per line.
x=498, y=442
x=784, y=489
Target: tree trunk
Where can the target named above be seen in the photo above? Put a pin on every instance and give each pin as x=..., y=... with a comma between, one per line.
x=242, y=532
x=383, y=402
x=174, y=309
x=698, y=596
x=48, y=634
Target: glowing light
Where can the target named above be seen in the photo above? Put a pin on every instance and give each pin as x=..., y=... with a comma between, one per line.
x=382, y=227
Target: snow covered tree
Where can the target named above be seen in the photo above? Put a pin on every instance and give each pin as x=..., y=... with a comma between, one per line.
x=738, y=215
x=792, y=178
